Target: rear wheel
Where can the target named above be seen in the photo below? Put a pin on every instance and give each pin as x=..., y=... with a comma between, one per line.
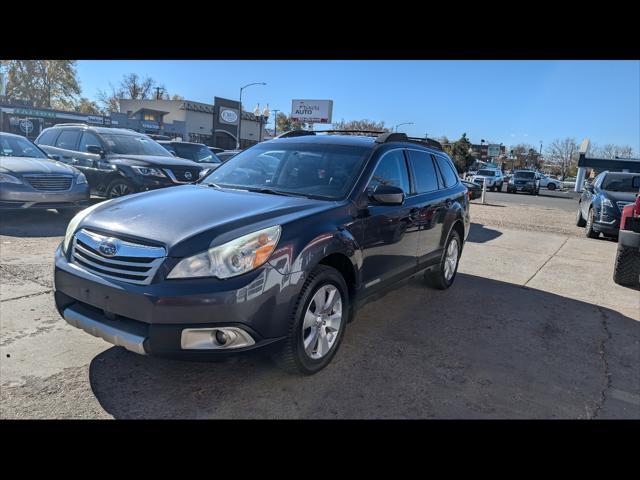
x=317, y=325
x=627, y=267
x=588, y=229
x=120, y=188
x=580, y=222
x=443, y=277
x=551, y=186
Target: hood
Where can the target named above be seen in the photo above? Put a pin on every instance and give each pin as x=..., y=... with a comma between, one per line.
x=153, y=160
x=25, y=165
x=201, y=213
x=620, y=196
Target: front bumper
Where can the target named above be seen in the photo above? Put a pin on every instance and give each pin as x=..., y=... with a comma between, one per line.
x=521, y=188
x=23, y=196
x=150, y=318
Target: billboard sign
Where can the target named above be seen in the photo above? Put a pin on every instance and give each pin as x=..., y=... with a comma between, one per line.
x=493, y=151
x=312, y=111
x=229, y=115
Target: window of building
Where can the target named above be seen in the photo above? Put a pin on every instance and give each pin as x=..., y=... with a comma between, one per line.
x=391, y=171
x=68, y=139
x=424, y=170
x=150, y=116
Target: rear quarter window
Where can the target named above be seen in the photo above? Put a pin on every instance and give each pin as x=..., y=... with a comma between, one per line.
x=450, y=176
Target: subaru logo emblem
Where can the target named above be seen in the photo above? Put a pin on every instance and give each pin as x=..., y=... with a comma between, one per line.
x=108, y=247
x=188, y=175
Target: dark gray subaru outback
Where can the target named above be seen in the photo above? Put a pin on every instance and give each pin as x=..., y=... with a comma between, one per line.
x=273, y=251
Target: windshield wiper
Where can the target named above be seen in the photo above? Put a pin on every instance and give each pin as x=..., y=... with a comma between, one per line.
x=211, y=184
x=274, y=192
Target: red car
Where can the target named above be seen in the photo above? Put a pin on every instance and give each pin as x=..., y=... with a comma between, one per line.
x=627, y=267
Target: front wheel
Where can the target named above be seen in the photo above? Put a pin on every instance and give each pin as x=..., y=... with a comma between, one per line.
x=317, y=325
x=120, y=188
x=551, y=186
x=589, y=232
x=443, y=277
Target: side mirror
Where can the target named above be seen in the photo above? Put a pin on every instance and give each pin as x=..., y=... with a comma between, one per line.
x=387, y=195
x=95, y=149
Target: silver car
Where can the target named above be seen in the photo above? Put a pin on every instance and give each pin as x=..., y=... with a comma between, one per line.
x=30, y=179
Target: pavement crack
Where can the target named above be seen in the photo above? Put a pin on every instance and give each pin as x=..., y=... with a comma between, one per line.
x=545, y=262
x=26, y=296
x=605, y=363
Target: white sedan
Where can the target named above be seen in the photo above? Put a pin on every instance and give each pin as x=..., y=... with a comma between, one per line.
x=550, y=183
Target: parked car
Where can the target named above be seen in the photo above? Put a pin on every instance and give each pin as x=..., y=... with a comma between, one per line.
x=197, y=152
x=549, y=183
x=30, y=179
x=216, y=150
x=475, y=191
x=227, y=154
x=492, y=177
x=117, y=161
x=569, y=182
x=627, y=266
x=524, y=181
x=156, y=137
x=282, y=266
x=601, y=203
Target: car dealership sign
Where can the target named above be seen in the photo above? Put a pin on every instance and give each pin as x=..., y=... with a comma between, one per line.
x=228, y=115
x=312, y=111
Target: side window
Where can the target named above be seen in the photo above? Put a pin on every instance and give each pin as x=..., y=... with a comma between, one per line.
x=391, y=171
x=425, y=172
x=47, y=137
x=448, y=172
x=68, y=139
x=87, y=139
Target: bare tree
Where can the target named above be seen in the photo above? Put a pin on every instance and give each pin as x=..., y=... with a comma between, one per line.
x=563, y=153
x=611, y=151
x=360, y=125
x=132, y=86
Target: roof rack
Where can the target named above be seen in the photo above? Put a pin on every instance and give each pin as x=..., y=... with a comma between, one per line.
x=296, y=133
x=430, y=142
x=381, y=137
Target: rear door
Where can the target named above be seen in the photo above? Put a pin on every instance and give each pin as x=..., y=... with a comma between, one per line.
x=431, y=204
x=66, y=145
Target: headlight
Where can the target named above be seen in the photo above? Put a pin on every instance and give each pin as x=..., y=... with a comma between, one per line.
x=4, y=178
x=605, y=202
x=148, y=171
x=80, y=179
x=233, y=258
x=73, y=225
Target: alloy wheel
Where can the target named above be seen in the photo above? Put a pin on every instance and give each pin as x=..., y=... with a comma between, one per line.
x=322, y=321
x=451, y=259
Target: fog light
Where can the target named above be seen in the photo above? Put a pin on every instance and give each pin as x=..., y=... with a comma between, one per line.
x=220, y=338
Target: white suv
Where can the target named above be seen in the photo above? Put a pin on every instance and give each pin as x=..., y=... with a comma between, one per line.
x=493, y=178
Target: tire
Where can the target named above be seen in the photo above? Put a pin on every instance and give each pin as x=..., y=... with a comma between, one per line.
x=580, y=222
x=438, y=278
x=119, y=188
x=551, y=186
x=626, y=269
x=588, y=229
x=293, y=357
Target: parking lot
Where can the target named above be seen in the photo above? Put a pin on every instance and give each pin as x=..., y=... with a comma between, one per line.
x=534, y=327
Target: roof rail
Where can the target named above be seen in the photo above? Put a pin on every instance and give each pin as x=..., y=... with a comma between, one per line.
x=391, y=137
x=296, y=133
x=371, y=132
x=71, y=125
x=427, y=141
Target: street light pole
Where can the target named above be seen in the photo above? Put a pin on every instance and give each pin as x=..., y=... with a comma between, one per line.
x=240, y=113
x=400, y=124
x=275, y=122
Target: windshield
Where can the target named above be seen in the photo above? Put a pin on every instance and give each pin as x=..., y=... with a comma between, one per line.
x=619, y=183
x=197, y=153
x=486, y=173
x=524, y=174
x=322, y=171
x=19, y=147
x=133, y=145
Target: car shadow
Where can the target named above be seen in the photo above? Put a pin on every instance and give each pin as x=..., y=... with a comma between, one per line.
x=481, y=349
x=36, y=223
x=478, y=233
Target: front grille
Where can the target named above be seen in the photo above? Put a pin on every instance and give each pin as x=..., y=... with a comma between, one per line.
x=132, y=262
x=50, y=183
x=181, y=174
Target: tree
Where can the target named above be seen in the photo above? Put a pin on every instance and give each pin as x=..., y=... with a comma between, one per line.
x=84, y=105
x=460, y=153
x=364, y=124
x=133, y=87
x=285, y=123
x=611, y=151
x=45, y=83
x=563, y=153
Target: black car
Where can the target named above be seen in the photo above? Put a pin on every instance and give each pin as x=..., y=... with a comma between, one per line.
x=197, y=152
x=282, y=266
x=117, y=161
x=227, y=154
x=524, y=181
x=601, y=203
x=475, y=191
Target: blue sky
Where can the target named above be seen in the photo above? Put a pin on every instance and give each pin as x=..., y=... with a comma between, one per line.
x=502, y=101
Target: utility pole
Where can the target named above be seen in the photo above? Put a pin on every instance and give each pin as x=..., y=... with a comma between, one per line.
x=275, y=122
x=158, y=92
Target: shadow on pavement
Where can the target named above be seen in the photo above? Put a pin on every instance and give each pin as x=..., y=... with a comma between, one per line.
x=34, y=223
x=482, y=349
x=478, y=233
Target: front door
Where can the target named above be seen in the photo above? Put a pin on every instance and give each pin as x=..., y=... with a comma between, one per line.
x=389, y=232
